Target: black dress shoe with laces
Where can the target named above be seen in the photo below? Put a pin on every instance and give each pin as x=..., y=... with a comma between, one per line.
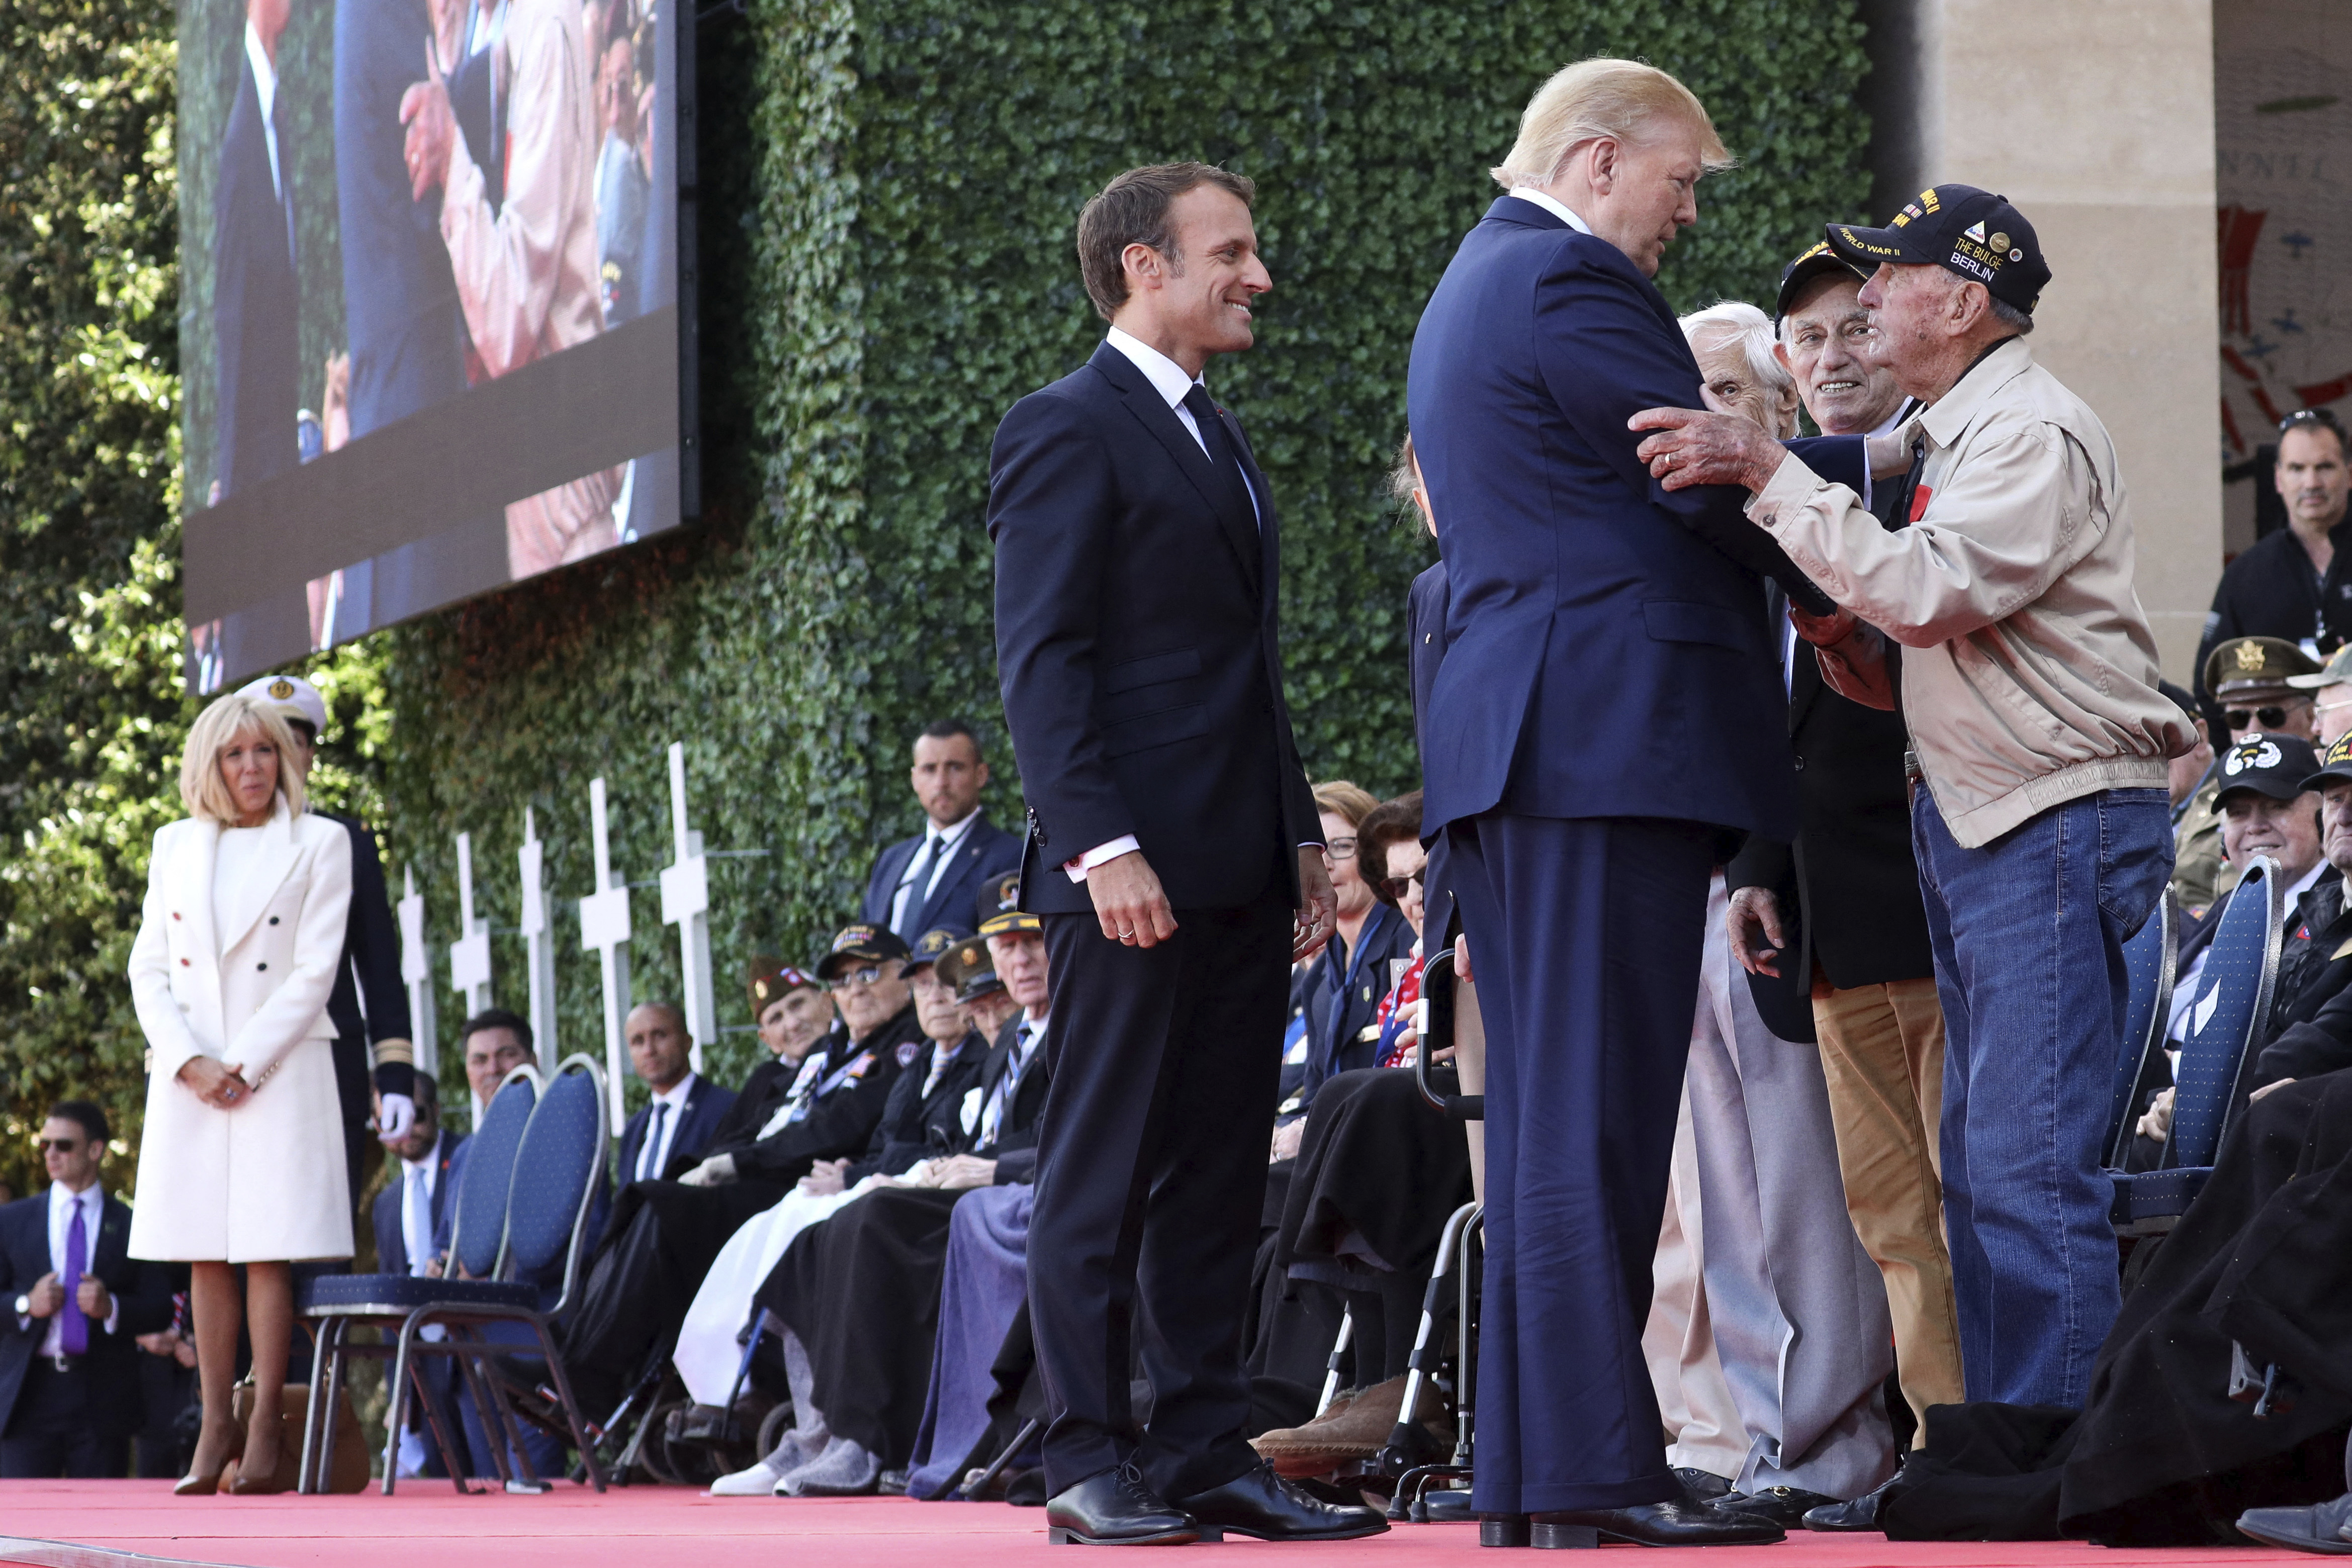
x=1259, y=1503
x=1654, y=1524
x=1784, y=1506
x=1115, y=1509
x=1700, y=1486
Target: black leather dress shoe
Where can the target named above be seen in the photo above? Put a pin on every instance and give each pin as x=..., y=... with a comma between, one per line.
x=1655, y=1524
x=1861, y=1514
x=1259, y=1503
x=1503, y=1530
x=1115, y=1509
x=1784, y=1506
x=2324, y=1527
x=1700, y=1486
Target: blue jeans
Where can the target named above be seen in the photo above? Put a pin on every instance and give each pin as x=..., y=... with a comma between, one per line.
x=2027, y=933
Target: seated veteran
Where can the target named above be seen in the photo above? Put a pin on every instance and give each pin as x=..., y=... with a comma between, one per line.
x=792, y=1011
x=664, y=1235
x=2313, y=1034
x=860, y=1293
x=2252, y=680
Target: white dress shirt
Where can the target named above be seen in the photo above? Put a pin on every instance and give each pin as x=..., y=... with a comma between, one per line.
x=1553, y=206
x=661, y=1131
x=92, y=1199
x=940, y=854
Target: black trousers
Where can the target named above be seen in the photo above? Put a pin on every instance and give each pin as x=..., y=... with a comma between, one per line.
x=53, y=1434
x=1150, y=1182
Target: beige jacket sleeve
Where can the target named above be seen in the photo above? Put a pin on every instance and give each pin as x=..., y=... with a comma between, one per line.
x=2015, y=517
x=508, y=265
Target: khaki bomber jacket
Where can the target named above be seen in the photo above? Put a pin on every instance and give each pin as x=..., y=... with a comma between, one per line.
x=2030, y=674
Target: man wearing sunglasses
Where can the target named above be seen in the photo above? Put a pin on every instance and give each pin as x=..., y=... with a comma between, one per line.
x=75, y=1303
x=2294, y=583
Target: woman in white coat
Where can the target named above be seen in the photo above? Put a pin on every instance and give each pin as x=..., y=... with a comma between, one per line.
x=241, y=1160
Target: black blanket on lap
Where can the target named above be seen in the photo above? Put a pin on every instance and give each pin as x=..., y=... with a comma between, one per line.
x=2161, y=1455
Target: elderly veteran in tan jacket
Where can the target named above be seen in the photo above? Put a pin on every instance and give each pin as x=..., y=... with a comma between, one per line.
x=2028, y=681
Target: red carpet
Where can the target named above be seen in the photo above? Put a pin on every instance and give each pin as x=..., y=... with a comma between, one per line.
x=428, y=1525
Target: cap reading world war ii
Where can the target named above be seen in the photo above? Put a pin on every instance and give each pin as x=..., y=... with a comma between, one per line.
x=1972, y=233
x=2335, y=767
x=2278, y=766
x=1798, y=275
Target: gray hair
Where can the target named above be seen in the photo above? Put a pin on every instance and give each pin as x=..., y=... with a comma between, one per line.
x=2009, y=316
x=1735, y=320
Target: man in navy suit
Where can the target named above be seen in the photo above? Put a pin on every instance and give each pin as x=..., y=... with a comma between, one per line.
x=412, y=1206
x=1175, y=855
x=675, y=1125
x=933, y=878
x=73, y=1303
x=1606, y=723
x=257, y=355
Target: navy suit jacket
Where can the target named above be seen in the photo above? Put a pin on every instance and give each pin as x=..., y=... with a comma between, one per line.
x=370, y=969
x=707, y=1105
x=1137, y=646
x=1608, y=655
x=391, y=1246
x=256, y=355
x=142, y=1293
x=400, y=298
x=987, y=851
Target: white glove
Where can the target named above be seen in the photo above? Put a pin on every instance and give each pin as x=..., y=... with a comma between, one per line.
x=395, y=1116
x=716, y=1171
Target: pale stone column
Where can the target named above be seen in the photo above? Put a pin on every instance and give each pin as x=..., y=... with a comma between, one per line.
x=2097, y=120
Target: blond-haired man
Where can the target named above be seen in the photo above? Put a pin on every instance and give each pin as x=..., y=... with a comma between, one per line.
x=1586, y=601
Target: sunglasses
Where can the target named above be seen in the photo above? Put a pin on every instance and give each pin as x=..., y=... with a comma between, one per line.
x=1395, y=886
x=62, y=1145
x=2239, y=717
x=864, y=976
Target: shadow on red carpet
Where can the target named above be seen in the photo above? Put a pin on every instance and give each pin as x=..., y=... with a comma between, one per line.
x=428, y=1525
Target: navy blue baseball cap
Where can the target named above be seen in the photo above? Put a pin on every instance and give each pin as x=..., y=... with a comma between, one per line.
x=1819, y=262
x=1963, y=230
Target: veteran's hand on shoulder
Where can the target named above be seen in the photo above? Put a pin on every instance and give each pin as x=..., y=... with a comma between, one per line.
x=1694, y=447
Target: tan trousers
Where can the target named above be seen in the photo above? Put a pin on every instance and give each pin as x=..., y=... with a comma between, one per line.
x=1883, y=1054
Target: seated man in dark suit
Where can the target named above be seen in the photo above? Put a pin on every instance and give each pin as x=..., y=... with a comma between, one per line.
x=933, y=878
x=860, y=1292
x=412, y=1206
x=685, y=1109
x=70, y=1395
x=664, y=1235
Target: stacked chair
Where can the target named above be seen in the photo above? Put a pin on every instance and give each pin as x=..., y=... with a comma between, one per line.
x=2233, y=997
x=530, y=1178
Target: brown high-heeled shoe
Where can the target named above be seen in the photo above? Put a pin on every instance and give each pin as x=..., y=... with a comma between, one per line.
x=241, y=1482
x=197, y=1483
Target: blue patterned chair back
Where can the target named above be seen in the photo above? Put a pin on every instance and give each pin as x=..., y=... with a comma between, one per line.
x=555, y=1171
x=2147, y=981
x=2233, y=997
x=478, y=1228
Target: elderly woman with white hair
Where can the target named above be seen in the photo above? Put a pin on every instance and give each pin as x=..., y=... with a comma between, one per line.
x=241, y=1160
x=1739, y=372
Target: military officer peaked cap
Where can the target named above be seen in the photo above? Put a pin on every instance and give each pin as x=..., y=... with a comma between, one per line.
x=968, y=968
x=2246, y=666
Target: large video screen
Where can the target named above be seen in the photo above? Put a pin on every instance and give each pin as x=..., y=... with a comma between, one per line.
x=431, y=335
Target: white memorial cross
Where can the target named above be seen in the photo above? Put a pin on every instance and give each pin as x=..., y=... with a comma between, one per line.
x=538, y=936
x=605, y=930
x=416, y=970
x=469, y=956
x=685, y=903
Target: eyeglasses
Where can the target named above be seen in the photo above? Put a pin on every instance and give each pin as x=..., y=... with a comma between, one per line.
x=1340, y=849
x=868, y=975
x=62, y=1145
x=2272, y=718
x=1395, y=886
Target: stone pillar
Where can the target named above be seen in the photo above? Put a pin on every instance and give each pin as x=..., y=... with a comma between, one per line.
x=2097, y=121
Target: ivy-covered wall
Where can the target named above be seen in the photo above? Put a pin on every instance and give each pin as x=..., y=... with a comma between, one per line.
x=890, y=192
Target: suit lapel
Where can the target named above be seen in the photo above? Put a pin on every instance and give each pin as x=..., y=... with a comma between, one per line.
x=263, y=876
x=113, y=1237
x=1225, y=502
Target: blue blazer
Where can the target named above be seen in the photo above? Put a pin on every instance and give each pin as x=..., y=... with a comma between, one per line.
x=257, y=355
x=1137, y=646
x=400, y=298
x=1608, y=655
x=391, y=1246
x=987, y=851
x=143, y=1292
x=707, y=1105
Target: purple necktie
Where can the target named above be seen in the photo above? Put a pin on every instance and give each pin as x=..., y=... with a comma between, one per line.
x=73, y=1325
